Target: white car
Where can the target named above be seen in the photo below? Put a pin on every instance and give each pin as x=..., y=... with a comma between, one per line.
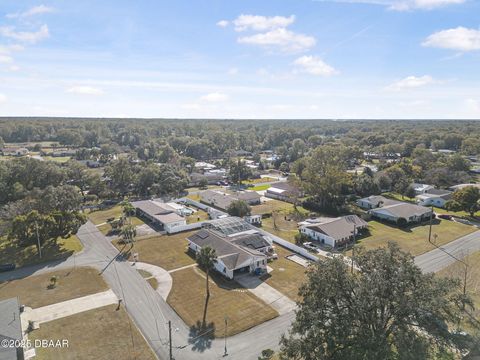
x=309, y=246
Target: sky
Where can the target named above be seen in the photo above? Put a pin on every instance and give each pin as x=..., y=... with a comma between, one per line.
x=339, y=59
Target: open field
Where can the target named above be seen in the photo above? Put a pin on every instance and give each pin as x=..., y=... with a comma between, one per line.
x=260, y=187
x=227, y=298
x=167, y=251
x=71, y=283
x=413, y=239
x=101, y=216
x=457, y=270
x=103, y=333
x=271, y=205
x=23, y=256
x=286, y=276
x=59, y=159
x=285, y=229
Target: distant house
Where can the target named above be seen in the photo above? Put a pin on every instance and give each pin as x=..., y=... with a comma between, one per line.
x=374, y=201
x=400, y=210
x=211, y=178
x=421, y=188
x=204, y=166
x=159, y=214
x=283, y=191
x=236, y=254
x=222, y=200
x=62, y=153
x=242, y=153
x=10, y=329
x=334, y=232
x=461, y=186
x=434, y=197
x=12, y=151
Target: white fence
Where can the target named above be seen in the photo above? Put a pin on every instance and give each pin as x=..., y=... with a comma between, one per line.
x=187, y=227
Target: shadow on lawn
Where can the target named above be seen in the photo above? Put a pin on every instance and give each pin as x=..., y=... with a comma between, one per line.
x=408, y=228
x=201, y=337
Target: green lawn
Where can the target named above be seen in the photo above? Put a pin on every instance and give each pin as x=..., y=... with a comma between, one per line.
x=260, y=187
x=59, y=159
x=414, y=239
x=101, y=217
x=104, y=333
x=269, y=206
x=34, y=291
x=259, y=181
x=287, y=276
x=167, y=251
x=227, y=298
x=285, y=229
x=10, y=252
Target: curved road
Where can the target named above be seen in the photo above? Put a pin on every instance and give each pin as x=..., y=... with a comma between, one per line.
x=151, y=313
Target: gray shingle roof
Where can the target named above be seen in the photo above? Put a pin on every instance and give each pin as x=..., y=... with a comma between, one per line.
x=162, y=212
x=339, y=228
x=404, y=210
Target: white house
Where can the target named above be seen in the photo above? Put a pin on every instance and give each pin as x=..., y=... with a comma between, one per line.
x=434, y=197
x=421, y=188
x=159, y=214
x=333, y=231
x=374, y=201
x=237, y=254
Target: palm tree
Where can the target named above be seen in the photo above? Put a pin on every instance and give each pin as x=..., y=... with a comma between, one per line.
x=206, y=259
x=128, y=233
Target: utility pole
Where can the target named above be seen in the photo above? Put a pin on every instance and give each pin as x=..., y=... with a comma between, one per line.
x=38, y=241
x=170, y=339
x=353, y=247
x=225, y=337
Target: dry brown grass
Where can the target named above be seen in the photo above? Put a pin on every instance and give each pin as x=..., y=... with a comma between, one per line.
x=167, y=251
x=103, y=333
x=228, y=298
x=72, y=283
x=287, y=276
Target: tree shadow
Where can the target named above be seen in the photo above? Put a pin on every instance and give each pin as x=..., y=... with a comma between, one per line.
x=201, y=336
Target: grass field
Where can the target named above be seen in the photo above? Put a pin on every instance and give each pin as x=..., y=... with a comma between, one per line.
x=285, y=229
x=59, y=159
x=101, y=217
x=414, y=239
x=287, y=276
x=259, y=181
x=72, y=283
x=260, y=187
x=167, y=251
x=227, y=298
x=198, y=216
x=103, y=333
x=10, y=252
x=269, y=206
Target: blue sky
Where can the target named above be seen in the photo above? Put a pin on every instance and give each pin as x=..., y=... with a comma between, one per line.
x=241, y=59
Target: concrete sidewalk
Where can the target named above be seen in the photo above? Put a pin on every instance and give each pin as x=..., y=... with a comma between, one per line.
x=265, y=292
x=161, y=275
x=70, y=307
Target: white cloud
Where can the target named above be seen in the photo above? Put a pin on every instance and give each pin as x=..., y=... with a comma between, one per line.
x=460, y=38
x=223, y=23
x=14, y=68
x=25, y=36
x=5, y=59
x=36, y=10
x=411, y=82
x=214, y=97
x=3, y=98
x=403, y=5
x=280, y=38
x=233, y=71
x=85, y=90
x=262, y=23
x=314, y=65
x=473, y=105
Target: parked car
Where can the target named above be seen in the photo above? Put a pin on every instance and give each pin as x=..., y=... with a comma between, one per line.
x=7, y=267
x=445, y=216
x=309, y=246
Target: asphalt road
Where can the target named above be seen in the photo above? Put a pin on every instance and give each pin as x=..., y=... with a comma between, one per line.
x=151, y=313
x=437, y=259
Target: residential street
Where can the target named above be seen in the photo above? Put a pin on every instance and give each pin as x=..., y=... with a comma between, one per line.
x=151, y=313
x=437, y=260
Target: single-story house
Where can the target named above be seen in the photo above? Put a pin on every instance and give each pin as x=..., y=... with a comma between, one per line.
x=244, y=253
x=223, y=200
x=160, y=214
x=10, y=329
x=283, y=191
x=8, y=151
x=211, y=178
x=461, y=186
x=204, y=166
x=333, y=231
x=374, y=201
x=410, y=212
x=253, y=219
x=421, y=188
x=434, y=197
